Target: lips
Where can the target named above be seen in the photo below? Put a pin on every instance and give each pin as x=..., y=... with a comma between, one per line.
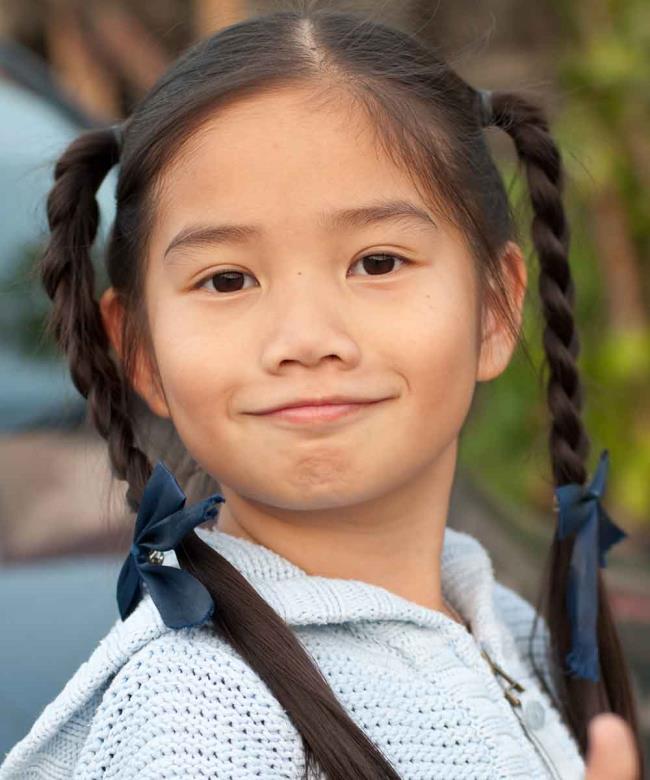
x=319, y=413
x=320, y=402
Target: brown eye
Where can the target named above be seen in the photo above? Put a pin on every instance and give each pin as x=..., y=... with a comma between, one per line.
x=224, y=281
x=376, y=263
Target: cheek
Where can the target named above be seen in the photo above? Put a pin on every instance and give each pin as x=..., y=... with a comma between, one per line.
x=198, y=391
x=439, y=362
x=193, y=365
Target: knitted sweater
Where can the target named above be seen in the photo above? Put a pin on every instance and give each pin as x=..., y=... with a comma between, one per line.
x=154, y=702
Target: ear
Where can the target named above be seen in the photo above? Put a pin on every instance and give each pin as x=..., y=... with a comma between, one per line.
x=145, y=380
x=497, y=344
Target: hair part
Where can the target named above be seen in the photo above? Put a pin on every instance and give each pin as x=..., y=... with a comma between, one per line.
x=427, y=119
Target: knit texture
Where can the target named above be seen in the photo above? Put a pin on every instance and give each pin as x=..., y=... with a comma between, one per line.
x=152, y=702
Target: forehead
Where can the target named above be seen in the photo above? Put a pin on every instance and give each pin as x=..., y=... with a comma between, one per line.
x=285, y=154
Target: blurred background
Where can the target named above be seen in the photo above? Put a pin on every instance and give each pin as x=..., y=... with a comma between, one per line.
x=67, y=65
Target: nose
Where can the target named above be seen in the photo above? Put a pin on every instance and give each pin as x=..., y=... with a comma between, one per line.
x=307, y=326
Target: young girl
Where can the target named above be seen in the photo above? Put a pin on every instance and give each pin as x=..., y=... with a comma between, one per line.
x=308, y=216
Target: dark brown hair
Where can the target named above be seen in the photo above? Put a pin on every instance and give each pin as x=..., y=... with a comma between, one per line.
x=428, y=119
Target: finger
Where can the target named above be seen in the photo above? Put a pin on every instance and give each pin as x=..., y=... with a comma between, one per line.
x=611, y=753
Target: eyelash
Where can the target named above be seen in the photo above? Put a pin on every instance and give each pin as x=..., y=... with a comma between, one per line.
x=201, y=282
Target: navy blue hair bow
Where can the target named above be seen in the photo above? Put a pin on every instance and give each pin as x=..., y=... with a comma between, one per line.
x=581, y=512
x=161, y=524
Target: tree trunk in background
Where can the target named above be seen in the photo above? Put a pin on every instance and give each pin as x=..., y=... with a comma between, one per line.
x=77, y=69
x=127, y=47
x=212, y=15
x=618, y=262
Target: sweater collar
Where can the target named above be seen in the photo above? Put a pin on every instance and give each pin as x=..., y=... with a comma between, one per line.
x=301, y=599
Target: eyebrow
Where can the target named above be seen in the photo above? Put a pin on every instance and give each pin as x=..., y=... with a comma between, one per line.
x=341, y=219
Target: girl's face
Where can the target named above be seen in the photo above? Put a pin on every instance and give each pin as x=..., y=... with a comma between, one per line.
x=298, y=313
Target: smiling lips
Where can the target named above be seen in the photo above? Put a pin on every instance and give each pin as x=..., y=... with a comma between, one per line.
x=320, y=401
x=318, y=412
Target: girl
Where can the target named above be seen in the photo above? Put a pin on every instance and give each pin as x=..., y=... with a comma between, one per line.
x=308, y=216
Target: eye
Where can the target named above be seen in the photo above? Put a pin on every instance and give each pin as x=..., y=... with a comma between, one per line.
x=385, y=261
x=230, y=279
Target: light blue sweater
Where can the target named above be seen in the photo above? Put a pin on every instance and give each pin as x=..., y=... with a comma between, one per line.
x=153, y=702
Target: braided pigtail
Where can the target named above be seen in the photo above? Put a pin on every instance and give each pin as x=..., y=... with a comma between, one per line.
x=568, y=441
x=75, y=321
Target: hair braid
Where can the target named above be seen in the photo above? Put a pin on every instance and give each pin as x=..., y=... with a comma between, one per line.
x=568, y=440
x=528, y=128
x=68, y=276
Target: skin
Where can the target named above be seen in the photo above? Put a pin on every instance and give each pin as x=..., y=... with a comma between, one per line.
x=611, y=754
x=366, y=498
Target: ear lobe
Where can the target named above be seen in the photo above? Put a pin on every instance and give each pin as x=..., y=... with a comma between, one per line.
x=497, y=343
x=144, y=379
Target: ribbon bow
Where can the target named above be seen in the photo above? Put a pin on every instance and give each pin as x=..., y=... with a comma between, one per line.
x=581, y=512
x=161, y=524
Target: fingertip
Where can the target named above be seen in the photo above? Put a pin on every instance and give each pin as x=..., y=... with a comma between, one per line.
x=610, y=735
x=605, y=717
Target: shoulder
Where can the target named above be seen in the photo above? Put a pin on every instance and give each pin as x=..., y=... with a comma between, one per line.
x=55, y=739
x=155, y=701
x=188, y=699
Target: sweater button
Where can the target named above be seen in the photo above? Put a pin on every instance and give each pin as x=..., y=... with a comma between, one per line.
x=534, y=715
